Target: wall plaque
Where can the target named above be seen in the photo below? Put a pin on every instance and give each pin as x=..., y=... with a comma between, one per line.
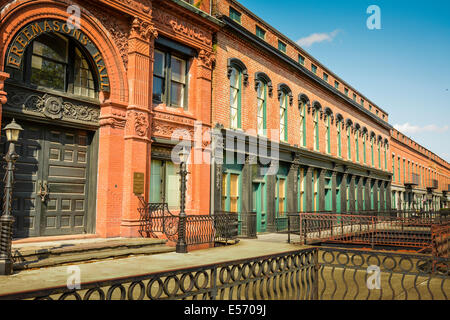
x=138, y=183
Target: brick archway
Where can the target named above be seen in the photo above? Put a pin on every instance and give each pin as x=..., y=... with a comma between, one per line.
x=20, y=13
x=113, y=116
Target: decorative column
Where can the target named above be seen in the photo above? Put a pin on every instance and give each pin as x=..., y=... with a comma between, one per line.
x=247, y=196
x=271, y=192
x=308, y=189
x=382, y=196
x=375, y=196
x=322, y=190
x=368, y=194
x=344, y=192
x=217, y=163
x=352, y=194
x=334, y=190
x=360, y=192
x=292, y=181
x=388, y=196
x=201, y=108
x=3, y=98
x=137, y=153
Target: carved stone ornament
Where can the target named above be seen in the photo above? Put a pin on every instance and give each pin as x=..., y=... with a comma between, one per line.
x=207, y=58
x=297, y=160
x=118, y=31
x=219, y=176
x=140, y=123
x=244, y=75
x=182, y=26
x=251, y=159
x=143, y=29
x=52, y=107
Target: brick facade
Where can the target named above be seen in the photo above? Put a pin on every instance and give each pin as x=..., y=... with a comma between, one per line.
x=129, y=122
x=132, y=129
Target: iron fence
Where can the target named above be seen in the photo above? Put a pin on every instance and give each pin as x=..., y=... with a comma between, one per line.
x=365, y=230
x=440, y=237
x=248, y=225
x=306, y=274
x=367, y=275
x=202, y=229
x=285, y=276
x=156, y=218
x=157, y=221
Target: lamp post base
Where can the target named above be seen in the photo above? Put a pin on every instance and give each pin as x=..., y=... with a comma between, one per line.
x=6, y=263
x=6, y=267
x=181, y=248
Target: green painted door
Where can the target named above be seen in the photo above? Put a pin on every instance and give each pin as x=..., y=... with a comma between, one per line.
x=259, y=206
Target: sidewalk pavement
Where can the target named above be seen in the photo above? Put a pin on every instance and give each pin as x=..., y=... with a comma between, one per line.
x=139, y=265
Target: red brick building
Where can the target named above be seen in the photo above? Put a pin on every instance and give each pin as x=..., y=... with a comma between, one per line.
x=333, y=141
x=421, y=179
x=100, y=87
x=104, y=90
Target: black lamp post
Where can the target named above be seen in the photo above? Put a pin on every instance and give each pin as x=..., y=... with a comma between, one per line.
x=181, y=243
x=12, y=131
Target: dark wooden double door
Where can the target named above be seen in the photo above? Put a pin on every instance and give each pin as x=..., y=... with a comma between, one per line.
x=51, y=180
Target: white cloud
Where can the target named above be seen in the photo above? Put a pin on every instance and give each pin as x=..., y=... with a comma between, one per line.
x=317, y=38
x=407, y=128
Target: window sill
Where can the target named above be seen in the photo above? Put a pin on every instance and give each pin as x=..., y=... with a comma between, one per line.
x=178, y=110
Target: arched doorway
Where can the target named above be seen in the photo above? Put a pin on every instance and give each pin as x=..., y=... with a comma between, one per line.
x=53, y=93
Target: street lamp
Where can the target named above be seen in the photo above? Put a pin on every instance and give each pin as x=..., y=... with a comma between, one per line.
x=12, y=131
x=181, y=246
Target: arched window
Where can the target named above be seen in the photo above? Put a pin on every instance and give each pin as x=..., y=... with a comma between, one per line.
x=328, y=133
x=327, y=118
x=364, y=136
x=379, y=152
x=303, y=101
x=263, y=86
x=317, y=107
x=349, y=124
x=285, y=98
x=316, y=131
x=349, y=143
x=261, y=94
x=57, y=63
x=372, y=140
x=235, y=98
x=283, y=115
x=339, y=121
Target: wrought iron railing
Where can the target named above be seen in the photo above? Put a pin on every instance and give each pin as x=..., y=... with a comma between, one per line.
x=367, y=275
x=440, y=238
x=156, y=220
x=248, y=225
x=366, y=230
x=307, y=274
x=222, y=227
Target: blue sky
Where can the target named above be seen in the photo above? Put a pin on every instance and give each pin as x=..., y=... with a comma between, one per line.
x=404, y=68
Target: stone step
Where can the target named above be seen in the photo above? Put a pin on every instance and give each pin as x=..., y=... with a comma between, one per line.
x=60, y=254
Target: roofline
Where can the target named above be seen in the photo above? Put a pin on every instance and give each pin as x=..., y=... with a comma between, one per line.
x=294, y=44
x=256, y=40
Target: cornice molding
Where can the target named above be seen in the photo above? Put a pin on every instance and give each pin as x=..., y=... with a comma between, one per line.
x=261, y=43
